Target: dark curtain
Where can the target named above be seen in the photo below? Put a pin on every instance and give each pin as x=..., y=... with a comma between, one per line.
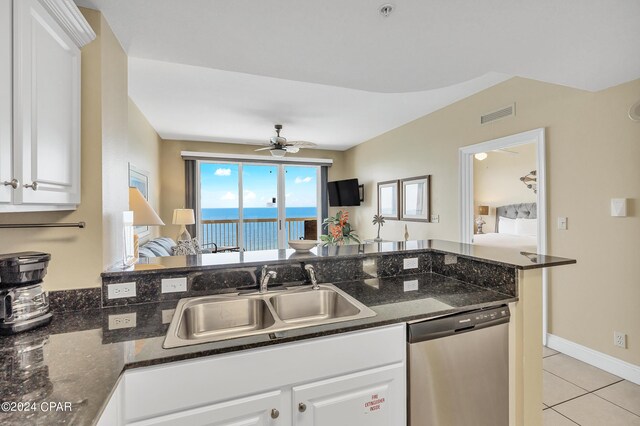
x=191, y=192
x=324, y=196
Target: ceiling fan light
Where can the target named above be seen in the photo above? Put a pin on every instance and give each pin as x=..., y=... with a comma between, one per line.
x=278, y=152
x=481, y=156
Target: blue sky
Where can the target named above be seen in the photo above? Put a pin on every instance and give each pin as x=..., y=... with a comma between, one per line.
x=220, y=185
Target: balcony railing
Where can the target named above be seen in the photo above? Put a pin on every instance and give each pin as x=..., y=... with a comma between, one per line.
x=259, y=234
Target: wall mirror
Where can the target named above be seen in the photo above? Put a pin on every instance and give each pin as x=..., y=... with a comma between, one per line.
x=388, y=200
x=416, y=199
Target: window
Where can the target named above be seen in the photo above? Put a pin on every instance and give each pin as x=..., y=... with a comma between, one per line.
x=257, y=206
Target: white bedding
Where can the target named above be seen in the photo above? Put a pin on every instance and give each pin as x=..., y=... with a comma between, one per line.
x=520, y=242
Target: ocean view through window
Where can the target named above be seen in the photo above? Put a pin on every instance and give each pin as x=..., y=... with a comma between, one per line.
x=257, y=206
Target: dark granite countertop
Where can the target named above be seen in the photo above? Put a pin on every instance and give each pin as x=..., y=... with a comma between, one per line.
x=77, y=359
x=500, y=256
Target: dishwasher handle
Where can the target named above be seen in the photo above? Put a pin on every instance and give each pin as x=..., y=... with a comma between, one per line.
x=457, y=324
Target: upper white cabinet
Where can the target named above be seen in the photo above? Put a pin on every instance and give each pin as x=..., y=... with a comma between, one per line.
x=41, y=161
x=6, y=60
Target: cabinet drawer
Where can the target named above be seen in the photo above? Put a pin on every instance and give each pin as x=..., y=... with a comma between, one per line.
x=223, y=377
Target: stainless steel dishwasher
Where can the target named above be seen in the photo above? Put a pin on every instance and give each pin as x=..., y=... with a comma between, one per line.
x=459, y=369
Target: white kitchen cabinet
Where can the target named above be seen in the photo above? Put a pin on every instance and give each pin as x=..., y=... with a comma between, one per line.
x=342, y=377
x=40, y=104
x=373, y=398
x=6, y=152
x=46, y=108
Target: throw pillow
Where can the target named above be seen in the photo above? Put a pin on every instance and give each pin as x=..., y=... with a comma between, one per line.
x=184, y=248
x=196, y=246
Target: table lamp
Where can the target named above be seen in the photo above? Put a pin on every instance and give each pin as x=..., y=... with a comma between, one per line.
x=143, y=214
x=482, y=210
x=183, y=217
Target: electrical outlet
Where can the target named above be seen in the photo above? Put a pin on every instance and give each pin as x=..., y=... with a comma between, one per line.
x=435, y=218
x=118, y=291
x=411, y=263
x=411, y=285
x=620, y=339
x=174, y=285
x=450, y=259
x=122, y=321
x=562, y=223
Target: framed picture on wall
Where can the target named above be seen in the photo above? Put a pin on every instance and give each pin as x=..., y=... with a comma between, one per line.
x=389, y=200
x=416, y=199
x=140, y=179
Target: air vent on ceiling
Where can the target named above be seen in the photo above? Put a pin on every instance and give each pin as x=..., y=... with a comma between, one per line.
x=496, y=115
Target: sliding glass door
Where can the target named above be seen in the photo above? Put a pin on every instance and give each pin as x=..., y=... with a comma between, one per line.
x=260, y=206
x=302, y=208
x=248, y=206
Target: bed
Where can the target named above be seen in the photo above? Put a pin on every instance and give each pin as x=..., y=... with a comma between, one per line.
x=516, y=228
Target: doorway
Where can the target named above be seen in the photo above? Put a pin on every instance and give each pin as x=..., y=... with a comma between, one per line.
x=468, y=212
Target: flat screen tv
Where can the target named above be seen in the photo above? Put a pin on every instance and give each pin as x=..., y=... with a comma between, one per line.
x=344, y=193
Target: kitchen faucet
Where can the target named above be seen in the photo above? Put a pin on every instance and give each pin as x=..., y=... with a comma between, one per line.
x=264, y=278
x=312, y=277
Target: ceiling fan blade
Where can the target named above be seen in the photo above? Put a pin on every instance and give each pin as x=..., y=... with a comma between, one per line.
x=302, y=144
x=264, y=149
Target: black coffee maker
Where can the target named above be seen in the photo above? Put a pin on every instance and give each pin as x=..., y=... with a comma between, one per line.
x=24, y=304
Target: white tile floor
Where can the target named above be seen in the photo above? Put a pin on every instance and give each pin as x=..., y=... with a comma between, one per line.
x=578, y=393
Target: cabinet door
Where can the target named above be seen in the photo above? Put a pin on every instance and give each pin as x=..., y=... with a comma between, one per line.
x=6, y=160
x=373, y=398
x=256, y=410
x=46, y=108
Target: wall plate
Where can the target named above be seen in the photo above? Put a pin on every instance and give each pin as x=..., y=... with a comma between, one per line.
x=122, y=321
x=120, y=290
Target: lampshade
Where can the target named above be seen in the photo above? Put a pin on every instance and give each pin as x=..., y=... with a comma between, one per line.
x=143, y=213
x=183, y=217
x=483, y=210
x=481, y=156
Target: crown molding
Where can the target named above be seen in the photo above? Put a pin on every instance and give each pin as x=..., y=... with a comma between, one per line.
x=67, y=14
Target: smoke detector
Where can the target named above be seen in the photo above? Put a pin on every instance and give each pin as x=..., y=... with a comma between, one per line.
x=386, y=9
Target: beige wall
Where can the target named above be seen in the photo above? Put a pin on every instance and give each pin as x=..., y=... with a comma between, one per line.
x=144, y=154
x=593, y=152
x=172, y=171
x=496, y=180
x=115, y=172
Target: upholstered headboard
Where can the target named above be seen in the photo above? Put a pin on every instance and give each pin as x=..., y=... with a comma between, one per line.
x=514, y=211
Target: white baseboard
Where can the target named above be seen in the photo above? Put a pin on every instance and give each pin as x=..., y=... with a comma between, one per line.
x=604, y=362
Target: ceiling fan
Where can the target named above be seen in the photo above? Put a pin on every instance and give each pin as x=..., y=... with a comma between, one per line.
x=279, y=146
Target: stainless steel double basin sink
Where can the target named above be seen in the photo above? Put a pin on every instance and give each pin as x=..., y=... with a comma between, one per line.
x=229, y=316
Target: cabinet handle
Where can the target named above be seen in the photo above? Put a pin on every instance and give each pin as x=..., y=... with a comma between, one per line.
x=302, y=407
x=275, y=413
x=33, y=186
x=12, y=183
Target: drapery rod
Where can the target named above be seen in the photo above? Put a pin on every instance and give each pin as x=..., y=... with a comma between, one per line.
x=80, y=225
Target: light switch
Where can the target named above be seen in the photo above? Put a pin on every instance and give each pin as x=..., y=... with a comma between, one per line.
x=619, y=207
x=562, y=223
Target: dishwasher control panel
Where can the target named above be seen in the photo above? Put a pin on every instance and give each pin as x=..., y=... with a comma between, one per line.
x=458, y=323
